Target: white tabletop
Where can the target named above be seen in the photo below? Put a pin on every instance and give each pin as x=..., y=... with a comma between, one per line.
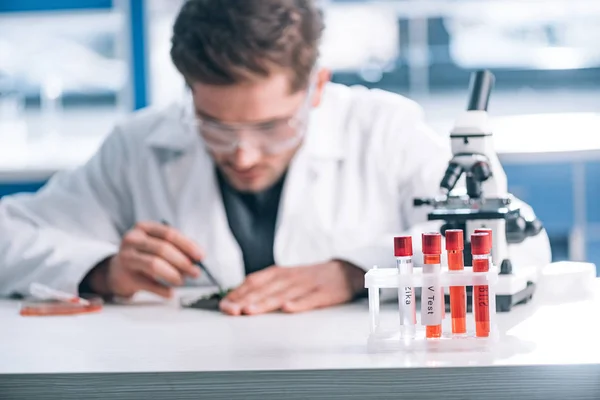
x=160, y=342
x=156, y=336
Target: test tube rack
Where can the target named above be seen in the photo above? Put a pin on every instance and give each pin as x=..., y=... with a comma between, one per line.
x=391, y=278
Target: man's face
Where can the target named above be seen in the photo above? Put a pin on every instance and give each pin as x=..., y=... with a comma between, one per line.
x=264, y=103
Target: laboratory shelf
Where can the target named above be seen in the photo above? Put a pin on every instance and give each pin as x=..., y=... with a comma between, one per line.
x=20, y=187
x=52, y=5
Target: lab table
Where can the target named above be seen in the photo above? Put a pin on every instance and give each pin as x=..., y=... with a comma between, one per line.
x=151, y=349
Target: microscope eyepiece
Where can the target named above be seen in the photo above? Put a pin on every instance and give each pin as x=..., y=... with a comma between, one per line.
x=481, y=171
x=453, y=173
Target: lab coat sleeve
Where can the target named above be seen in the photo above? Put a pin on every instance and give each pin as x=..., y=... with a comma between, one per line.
x=57, y=235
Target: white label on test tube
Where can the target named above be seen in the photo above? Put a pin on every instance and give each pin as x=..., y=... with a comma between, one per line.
x=406, y=297
x=431, y=292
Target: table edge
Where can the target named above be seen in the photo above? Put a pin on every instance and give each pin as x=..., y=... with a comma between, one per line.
x=494, y=382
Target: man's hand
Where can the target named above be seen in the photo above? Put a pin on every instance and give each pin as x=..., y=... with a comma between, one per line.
x=295, y=289
x=152, y=257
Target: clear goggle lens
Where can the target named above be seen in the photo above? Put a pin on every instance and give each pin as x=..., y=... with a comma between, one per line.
x=270, y=139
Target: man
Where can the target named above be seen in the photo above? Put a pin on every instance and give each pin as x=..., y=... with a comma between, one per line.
x=286, y=186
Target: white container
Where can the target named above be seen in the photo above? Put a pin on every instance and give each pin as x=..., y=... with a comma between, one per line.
x=567, y=281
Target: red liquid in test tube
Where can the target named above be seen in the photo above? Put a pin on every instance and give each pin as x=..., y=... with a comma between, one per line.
x=431, y=294
x=480, y=249
x=458, y=294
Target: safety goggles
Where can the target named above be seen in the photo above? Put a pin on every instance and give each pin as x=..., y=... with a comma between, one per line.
x=270, y=138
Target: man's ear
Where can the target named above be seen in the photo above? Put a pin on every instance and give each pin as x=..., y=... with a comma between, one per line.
x=323, y=76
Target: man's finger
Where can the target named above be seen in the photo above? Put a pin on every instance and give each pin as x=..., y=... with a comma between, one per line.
x=276, y=300
x=170, y=254
x=316, y=299
x=253, y=282
x=230, y=308
x=279, y=284
x=160, y=231
x=144, y=283
x=154, y=267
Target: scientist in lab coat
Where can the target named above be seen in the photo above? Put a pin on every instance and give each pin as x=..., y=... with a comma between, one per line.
x=286, y=186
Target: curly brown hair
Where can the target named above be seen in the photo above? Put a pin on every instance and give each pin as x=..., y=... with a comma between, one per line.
x=223, y=42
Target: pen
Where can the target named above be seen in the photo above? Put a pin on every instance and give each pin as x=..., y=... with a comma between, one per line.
x=44, y=292
x=201, y=265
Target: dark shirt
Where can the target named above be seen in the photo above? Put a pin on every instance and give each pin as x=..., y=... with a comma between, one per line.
x=252, y=218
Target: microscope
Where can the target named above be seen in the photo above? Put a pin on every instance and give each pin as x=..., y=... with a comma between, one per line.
x=486, y=202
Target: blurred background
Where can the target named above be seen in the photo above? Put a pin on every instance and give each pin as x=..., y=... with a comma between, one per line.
x=69, y=69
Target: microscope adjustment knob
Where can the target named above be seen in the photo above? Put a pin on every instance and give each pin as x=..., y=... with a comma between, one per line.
x=518, y=229
x=506, y=267
x=515, y=230
x=422, y=202
x=533, y=227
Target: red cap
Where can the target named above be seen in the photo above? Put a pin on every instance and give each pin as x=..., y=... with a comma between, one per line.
x=454, y=239
x=480, y=243
x=432, y=243
x=403, y=246
x=488, y=231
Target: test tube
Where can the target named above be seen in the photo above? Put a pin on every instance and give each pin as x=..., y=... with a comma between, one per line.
x=403, y=251
x=458, y=294
x=488, y=231
x=431, y=293
x=480, y=249
x=491, y=245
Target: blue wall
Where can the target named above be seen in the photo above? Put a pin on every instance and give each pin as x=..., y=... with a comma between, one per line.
x=549, y=189
x=52, y=5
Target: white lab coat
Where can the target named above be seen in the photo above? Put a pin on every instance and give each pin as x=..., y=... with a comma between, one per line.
x=349, y=189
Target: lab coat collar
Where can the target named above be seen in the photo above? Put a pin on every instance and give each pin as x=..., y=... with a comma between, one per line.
x=323, y=139
x=170, y=132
